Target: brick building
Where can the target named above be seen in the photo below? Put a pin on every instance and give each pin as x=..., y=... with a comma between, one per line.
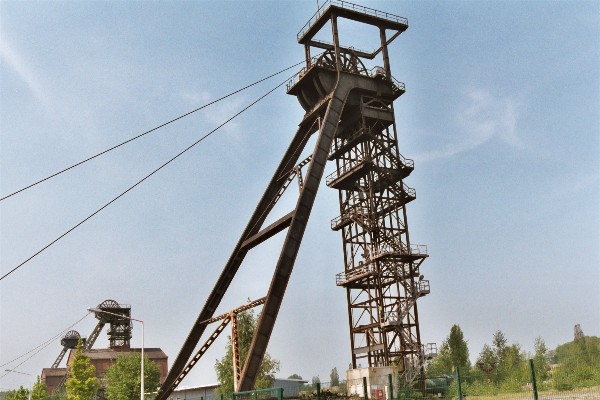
x=52, y=377
x=102, y=359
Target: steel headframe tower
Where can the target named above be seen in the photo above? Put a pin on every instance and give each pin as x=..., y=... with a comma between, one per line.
x=119, y=332
x=381, y=274
x=351, y=110
x=69, y=341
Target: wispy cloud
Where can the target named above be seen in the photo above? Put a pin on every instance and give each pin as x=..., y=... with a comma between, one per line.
x=480, y=118
x=218, y=113
x=12, y=58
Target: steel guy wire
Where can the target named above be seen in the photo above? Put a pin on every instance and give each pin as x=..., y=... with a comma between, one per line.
x=144, y=133
x=40, y=347
x=144, y=178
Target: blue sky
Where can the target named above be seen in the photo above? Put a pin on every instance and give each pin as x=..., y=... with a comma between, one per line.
x=500, y=115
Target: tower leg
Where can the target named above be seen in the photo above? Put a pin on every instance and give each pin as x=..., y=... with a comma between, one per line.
x=261, y=212
x=294, y=235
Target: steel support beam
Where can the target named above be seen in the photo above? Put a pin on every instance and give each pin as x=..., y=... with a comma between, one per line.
x=294, y=235
x=265, y=205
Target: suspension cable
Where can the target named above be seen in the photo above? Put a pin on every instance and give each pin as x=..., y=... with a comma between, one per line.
x=145, y=133
x=144, y=178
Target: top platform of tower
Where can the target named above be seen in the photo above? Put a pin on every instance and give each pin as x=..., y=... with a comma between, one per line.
x=351, y=11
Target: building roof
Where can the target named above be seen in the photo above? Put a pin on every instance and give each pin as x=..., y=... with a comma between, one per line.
x=111, y=353
x=184, y=388
x=291, y=380
x=54, y=371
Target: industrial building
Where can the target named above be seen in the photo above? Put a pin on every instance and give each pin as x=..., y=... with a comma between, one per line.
x=118, y=318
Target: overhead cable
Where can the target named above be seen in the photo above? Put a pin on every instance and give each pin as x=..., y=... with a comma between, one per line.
x=40, y=347
x=145, y=133
x=146, y=177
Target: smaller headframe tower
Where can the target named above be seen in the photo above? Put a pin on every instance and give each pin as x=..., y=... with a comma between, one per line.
x=381, y=276
x=118, y=317
x=69, y=342
x=119, y=336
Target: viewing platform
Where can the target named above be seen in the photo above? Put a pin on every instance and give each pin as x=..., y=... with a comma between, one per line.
x=403, y=254
x=353, y=12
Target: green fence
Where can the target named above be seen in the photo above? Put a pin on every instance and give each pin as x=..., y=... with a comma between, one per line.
x=523, y=381
x=259, y=394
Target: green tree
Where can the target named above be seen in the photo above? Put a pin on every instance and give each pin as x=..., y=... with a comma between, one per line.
x=499, y=343
x=509, y=362
x=459, y=351
x=20, y=394
x=59, y=394
x=487, y=361
x=82, y=383
x=513, y=369
x=224, y=367
x=453, y=353
x=578, y=364
x=540, y=359
x=39, y=390
x=334, y=377
x=123, y=377
x=294, y=376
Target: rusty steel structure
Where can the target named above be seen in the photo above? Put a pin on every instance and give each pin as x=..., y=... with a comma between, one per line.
x=119, y=332
x=69, y=341
x=350, y=109
x=381, y=274
x=225, y=319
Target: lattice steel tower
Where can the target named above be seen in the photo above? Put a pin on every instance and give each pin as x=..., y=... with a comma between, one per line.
x=381, y=273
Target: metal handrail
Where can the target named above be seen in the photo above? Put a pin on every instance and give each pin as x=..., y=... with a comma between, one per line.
x=398, y=84
x=415, y=249
x=424, y=286
x=430, y=349
x=339, y=220
x=379, y=72
x=354, y=213
x=356, y=134
x=410, y=192
x=351, y=48
x=345, y=276
x=408, y=162
x=419, y=249
x=347, y=167
x=349, y=6
x=294, y=79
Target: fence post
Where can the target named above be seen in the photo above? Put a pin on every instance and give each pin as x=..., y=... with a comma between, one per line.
x=318, y=390
x=460, y=395
x=279, y=393
x=533, y=381
x=365, y=388
x=391, y=383
x=221, y=396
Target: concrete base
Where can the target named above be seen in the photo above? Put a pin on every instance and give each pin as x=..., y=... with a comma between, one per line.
x=377, y=382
